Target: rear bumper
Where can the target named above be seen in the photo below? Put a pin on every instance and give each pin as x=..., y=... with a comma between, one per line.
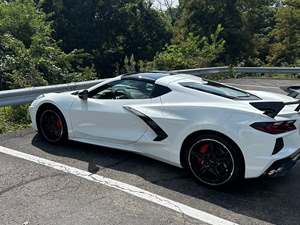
x=282, y=166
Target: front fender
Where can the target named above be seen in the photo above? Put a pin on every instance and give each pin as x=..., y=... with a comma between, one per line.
x=62, y=101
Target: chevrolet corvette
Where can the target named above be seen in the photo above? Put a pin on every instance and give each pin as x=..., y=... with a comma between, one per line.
x=219, y=133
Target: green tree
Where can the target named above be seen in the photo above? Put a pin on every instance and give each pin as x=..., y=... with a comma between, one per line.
x=29, y=55
x=258, y=18
x=21, y=19
x=74, y=22
x=189, y=51
x=108, y=29
x=285, y=47
x=202, y=17
x=16, y=67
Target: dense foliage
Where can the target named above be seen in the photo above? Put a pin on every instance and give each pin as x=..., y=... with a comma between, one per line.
x=285, y=46
x=189, y=51
x=108, y=29
x=56, y=41
x=29, y=55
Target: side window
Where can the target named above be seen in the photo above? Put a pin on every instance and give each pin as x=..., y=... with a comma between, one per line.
x=104, y=92
x=125, y=89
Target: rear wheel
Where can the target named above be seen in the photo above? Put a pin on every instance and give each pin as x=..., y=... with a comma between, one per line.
x=213, y=160
x=51, y=125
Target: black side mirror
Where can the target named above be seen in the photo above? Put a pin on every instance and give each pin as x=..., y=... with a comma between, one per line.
x=84, y=95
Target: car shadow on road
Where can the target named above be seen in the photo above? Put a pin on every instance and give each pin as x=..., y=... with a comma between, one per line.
x=275, y=200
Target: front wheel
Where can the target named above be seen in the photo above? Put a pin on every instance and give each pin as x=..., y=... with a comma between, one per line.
x=213, y=160
x=51, y=125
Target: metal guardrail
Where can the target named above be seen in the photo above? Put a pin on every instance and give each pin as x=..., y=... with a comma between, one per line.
x=27, y=95
x=273, y=70
x=204, y=71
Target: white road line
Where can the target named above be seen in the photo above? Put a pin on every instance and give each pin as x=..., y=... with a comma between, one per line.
x=252, y=85
x=140, y=193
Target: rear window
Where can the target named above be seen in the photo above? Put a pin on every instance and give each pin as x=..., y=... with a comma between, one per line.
x=220, y=90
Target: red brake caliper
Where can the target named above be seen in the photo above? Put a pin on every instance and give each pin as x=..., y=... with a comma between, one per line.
x=58, y=124
x=203, y=149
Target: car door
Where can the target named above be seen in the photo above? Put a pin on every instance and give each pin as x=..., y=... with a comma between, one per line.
x=102, y=116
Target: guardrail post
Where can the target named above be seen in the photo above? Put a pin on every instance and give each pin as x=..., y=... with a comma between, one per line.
x=233, y=73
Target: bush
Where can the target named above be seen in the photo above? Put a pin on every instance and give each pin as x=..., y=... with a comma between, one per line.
x=13, y=118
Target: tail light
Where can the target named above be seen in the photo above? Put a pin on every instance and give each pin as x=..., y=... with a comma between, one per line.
x=275, y=127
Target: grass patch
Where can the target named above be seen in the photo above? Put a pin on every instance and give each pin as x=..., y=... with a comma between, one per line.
x=284, y=76
x=13, y=118
x=266, y=75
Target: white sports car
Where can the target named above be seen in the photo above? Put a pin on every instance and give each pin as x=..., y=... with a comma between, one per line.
x=218, y=132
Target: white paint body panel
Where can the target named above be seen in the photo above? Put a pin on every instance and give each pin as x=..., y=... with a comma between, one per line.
x=179, y=113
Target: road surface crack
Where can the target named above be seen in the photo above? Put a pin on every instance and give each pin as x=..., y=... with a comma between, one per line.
x=24, y=183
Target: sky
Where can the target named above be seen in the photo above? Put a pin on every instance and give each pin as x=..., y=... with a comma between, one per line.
x=156, y=2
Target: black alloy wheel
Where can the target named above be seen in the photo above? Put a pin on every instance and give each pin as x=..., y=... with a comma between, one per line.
x=52, y=125
x=213, y=161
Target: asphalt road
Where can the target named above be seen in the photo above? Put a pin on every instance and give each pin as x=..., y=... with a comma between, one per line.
x=34, y=194
x=262, y=84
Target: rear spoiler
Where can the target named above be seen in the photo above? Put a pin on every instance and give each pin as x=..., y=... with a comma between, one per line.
x=293, y=91
x=272, y=109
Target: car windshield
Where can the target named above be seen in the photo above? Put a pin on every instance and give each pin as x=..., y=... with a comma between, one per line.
x=220, y=90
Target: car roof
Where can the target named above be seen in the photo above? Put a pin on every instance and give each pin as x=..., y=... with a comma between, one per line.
x=161, y=77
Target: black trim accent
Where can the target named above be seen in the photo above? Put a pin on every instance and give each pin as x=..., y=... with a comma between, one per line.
x=282, y=166
x=161, y=135
x=272, y=109
x=293, y=91
x=278, y=146
x=159, y=90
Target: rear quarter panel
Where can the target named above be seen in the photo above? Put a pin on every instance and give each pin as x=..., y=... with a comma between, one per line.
x=227, y=117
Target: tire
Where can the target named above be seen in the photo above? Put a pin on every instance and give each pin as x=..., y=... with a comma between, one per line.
x=52, y=125
x=213, y=160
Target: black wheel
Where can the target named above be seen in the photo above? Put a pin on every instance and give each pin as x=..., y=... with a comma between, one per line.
x=51, y=125
x=213, y=160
